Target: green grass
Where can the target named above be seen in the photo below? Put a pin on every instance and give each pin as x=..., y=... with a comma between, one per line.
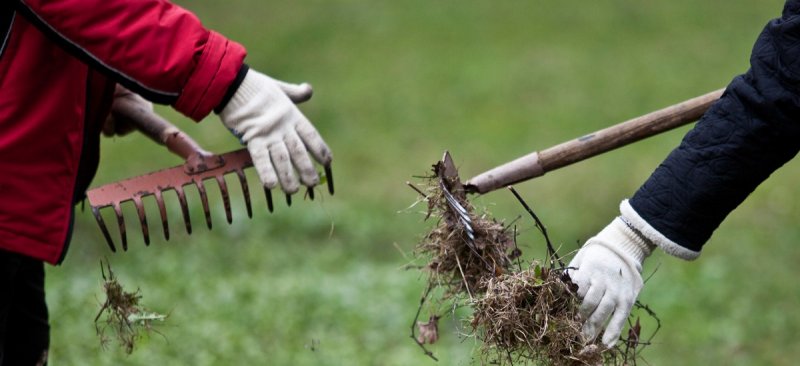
x=397, y=83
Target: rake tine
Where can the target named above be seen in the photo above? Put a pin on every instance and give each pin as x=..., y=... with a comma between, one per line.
x=245, y=191
x=137, y=201
x=184, y=209
x=103, y=228
x=121, y=222
x=268, y=194
x=310, y=192
x=289, y=200
x=204, y=199
x=163, y=211
x=329, y=177
x=223, y=188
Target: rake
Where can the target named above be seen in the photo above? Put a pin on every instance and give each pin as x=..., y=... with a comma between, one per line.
x=200, y=165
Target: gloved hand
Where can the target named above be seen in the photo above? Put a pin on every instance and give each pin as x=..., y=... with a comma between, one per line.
x=118, y=124
x=608, y=271
x=278, y=136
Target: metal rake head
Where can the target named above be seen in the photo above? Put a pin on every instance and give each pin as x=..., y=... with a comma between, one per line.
x=212, y=167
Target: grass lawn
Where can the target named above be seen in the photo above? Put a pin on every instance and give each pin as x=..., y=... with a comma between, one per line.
x=397, y=83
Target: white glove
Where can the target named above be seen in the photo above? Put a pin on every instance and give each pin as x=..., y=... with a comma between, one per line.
x=278, y=136
x=608, y=274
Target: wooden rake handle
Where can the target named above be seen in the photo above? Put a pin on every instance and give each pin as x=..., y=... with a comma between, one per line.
x=165, y=133
x=538, y=163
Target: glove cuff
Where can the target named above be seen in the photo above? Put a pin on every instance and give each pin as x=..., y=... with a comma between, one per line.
x=248, y=89
x=625, y=240
x=243, y=71
x=637, y=244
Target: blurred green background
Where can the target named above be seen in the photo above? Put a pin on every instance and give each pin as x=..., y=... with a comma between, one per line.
x=396, y=83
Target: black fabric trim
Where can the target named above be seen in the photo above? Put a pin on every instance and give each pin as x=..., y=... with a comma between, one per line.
x=155, y=96
x=232, y=88
x=7, y=14
x=68, y=240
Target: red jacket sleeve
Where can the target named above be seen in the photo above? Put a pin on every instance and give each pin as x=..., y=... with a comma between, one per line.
x=152, y=47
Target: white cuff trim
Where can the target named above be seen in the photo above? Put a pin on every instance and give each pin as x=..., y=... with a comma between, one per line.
x=667, y=245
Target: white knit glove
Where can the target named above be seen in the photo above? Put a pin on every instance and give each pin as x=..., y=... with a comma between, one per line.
x=608, y=271
x=262, y=113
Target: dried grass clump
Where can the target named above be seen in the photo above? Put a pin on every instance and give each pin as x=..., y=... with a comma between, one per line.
x=531, y=315
x=122, y=315
x=519, y=316
x=458, y=267
x=455, y=263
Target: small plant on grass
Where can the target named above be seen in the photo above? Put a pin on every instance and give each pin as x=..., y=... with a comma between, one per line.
x=122, y=315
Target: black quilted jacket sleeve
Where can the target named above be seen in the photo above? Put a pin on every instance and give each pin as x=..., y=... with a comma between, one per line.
x=745, y=136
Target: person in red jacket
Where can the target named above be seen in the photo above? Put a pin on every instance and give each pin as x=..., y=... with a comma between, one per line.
x=60, y=61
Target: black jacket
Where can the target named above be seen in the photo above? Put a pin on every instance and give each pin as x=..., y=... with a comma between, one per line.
x=749, y=133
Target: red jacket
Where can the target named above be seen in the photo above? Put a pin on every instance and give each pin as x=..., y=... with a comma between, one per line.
x=59, y=61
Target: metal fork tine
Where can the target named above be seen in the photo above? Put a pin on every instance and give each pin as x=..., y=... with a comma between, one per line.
x=461, y=214
x=329, y=178
x=121, y=223
x=204, y=199
x=245, y=191
x=103, y=228
x=137, y=201
x=162, y=209
x=268, y=194
x=184, y=209
x=223, y=188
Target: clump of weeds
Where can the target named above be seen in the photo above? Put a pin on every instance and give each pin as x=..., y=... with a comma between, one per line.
x=462, y=249
x=122, y=316
x=520, y=313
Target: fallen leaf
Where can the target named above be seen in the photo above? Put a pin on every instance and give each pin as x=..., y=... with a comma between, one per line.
x=428, y=332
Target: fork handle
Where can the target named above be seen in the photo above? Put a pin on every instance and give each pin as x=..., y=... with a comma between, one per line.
x=538, y=163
